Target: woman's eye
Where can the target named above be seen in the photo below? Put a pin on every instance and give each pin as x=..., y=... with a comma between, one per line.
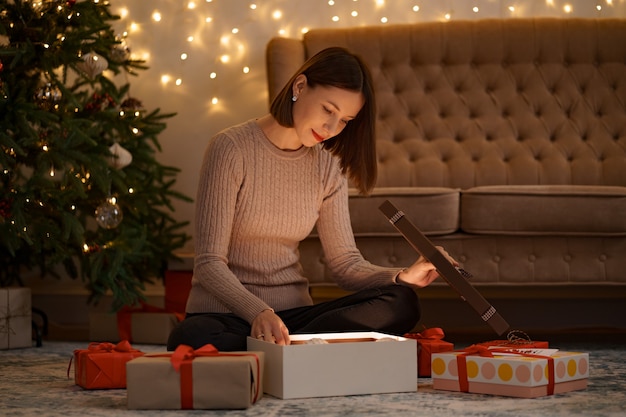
x=327, y=110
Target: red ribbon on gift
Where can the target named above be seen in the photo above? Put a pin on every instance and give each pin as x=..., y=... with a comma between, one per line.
x=461, y=363
x=182, y=359
x=124, y=318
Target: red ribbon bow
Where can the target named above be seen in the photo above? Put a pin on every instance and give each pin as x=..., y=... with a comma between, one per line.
x=123, y=346
x=181, y=360
x=434, y=333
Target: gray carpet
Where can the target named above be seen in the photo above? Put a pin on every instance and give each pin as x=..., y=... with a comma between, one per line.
x=33, y=382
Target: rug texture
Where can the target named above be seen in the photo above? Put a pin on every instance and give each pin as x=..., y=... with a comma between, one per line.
x=34, y=382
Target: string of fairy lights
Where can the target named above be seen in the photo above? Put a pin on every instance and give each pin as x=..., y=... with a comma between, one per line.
x=231, y=29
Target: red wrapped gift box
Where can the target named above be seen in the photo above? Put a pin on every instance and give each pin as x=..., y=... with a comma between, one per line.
x=102, y=365
x=177, y=287
x=429, y=341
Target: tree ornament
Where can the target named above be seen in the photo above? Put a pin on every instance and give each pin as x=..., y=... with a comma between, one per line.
x=131, y=104
x=93, y=64
x=70, y=3
x=48, y=96
x=120, y=52
x=100, y=102
x=5, y=208
x=121, y=157
x=109, y=214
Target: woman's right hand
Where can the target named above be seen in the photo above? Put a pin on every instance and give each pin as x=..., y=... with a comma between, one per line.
x=269, y=327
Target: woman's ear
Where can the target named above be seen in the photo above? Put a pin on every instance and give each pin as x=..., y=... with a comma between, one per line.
x=298, y=85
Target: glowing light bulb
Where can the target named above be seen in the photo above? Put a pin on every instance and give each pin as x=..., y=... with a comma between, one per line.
x=383, y=20
x=179, y=81
x=214, y=100
x=354, y=13
x=416, y=8
x=253, y=6
x=567, y=8
x=189, y=38
x=246, y=70
x=212, y=75
x=156, y=16
x=183, y=56
x=225, y=59
x=475, y=9
x=335, y=18
x=277, y=14
x=191, y=5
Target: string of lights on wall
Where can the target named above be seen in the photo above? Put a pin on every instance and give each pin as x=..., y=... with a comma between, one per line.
x=225, y=33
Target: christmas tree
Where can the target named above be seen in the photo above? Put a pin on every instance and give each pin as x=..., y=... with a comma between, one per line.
x=81, y=191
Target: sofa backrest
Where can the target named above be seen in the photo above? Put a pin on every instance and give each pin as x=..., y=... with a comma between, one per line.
x=487, y=102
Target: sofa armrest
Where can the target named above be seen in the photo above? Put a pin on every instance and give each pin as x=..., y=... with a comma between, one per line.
x=283, y=57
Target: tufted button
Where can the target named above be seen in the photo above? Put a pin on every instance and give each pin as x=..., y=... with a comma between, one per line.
x=496, y=259
x=603, y=258
x=462, y=258
x=567, y=258
x=532, y=258
x=393, y=260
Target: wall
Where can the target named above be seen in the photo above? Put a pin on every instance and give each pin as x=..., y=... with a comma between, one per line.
x=206, y=57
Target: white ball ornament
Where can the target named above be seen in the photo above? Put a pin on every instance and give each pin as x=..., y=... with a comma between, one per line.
x=120, y=157
x=93, y=64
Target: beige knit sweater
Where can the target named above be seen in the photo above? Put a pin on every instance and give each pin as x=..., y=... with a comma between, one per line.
x=255, y=203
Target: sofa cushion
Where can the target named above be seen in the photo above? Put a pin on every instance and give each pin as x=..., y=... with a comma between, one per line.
x=434, y=210
x=544, y=210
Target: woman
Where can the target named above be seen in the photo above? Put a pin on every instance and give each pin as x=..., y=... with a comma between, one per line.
x=264, y=185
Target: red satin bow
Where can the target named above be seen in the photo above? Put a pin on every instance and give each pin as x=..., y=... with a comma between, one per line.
x=435, y=333
x=123, y=346
x=187, y=353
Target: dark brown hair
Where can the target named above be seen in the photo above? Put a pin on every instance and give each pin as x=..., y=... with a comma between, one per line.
x=355, y=146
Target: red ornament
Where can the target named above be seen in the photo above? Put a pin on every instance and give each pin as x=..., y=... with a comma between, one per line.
x=1, y=66
x=70, y=3
x=5, y=208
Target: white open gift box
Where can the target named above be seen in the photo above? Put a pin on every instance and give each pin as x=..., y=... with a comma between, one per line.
x=349, y=364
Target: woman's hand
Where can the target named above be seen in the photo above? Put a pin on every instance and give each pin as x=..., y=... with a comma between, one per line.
x=422, y=272
x=269, y=327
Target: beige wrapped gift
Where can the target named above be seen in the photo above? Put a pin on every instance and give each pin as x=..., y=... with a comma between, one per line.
x=15, y=318
x=203, y=379
x=149, y=328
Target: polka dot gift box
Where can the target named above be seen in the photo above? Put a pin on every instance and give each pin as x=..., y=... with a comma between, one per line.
x=528, y=373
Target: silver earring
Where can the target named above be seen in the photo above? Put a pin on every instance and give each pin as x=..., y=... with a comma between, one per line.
x=294, y=98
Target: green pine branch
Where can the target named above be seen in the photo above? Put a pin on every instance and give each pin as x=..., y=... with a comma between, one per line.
x=57, y=126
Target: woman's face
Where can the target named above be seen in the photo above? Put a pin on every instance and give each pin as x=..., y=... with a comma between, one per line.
x=322, y=112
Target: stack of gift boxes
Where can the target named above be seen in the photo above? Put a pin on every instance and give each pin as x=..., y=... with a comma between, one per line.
x=334, y=364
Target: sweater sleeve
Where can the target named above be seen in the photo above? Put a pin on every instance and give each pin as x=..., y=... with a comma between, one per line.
x=221, y=175
x=346, y=263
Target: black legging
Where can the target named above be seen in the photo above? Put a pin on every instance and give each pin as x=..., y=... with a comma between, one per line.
x=393, y=310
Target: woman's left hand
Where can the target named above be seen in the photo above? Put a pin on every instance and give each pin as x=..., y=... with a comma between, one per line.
x=422, y=272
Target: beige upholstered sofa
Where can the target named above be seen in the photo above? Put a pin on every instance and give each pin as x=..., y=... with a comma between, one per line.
x=505, y=142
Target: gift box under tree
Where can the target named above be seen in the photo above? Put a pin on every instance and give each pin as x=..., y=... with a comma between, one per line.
x=195, y=379
x=102, y=365
x=15, y=318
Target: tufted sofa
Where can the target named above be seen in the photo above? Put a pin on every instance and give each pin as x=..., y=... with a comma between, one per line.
x=505, y=142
